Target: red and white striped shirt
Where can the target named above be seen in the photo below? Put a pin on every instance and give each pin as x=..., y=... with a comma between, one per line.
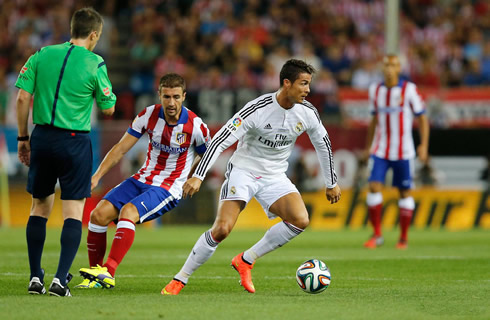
x=171, y=149
x=394, y=107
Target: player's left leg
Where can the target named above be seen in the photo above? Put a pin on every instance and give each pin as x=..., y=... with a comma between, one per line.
x=406, y=205
x=402, y=179
x=291, y=209
x=71, y=235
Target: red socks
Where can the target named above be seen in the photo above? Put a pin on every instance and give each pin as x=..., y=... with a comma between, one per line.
x=96, y=245
x=375, y=218
x=405, y=220
x=123, y=239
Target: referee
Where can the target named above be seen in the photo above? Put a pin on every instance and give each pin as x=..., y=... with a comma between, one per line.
x=65, y=78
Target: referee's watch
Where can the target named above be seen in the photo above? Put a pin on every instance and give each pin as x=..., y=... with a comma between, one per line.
x=23, y=138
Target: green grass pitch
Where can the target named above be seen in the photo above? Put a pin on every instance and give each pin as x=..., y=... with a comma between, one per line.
x=443, y=275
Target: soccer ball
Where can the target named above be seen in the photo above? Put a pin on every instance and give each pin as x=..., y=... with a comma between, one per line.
x=313, y=276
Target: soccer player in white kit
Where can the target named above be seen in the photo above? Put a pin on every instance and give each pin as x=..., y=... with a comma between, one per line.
x=393, y=104
x=266, y=130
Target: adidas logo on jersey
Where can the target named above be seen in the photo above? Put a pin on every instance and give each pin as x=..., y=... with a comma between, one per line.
x=268, y=126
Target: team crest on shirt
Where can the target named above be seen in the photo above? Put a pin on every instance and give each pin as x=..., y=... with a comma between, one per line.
x=299, y=127
x=233, y=190
x=181, y=137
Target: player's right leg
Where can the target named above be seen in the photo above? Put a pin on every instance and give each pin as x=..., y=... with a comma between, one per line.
x=103, y=214
x=374, y=199
x=206, y=245
x=36, y=235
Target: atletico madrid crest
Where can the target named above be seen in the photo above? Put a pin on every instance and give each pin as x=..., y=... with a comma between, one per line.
x=181, y=137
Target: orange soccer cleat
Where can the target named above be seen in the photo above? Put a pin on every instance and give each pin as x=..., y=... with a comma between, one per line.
x=374, y=242
x=173, y=288
x=402, y=245
x=245, y=271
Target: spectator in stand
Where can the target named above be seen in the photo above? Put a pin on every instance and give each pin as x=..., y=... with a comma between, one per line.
x=473, y=76
x=485, y=63
x=337, y=63
x=365, y=74
x=427, y=76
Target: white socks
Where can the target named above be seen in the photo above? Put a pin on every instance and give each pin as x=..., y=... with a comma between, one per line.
x=96, y=228
x=406, y=203
x=277, y=236
x=202, y=251
x=373, y=199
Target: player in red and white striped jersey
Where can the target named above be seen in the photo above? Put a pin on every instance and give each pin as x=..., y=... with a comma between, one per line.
x=178, y=138
x=393, y=104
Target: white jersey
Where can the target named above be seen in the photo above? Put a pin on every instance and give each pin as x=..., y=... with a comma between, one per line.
x=394, y=108
x=266, y=134
x=171, y=149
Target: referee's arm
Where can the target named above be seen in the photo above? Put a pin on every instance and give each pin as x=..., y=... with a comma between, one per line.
x=108, y=112
x=23, y=147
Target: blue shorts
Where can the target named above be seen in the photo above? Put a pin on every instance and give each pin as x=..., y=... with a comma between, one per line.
x=60, y=154
x=151, y=202
x=402, y=171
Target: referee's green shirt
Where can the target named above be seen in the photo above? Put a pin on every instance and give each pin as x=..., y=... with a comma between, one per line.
x=65, y=79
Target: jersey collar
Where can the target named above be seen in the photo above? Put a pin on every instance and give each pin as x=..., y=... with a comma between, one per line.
x=184, y=116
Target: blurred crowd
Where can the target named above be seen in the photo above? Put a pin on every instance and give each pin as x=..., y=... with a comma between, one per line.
x=222, y=44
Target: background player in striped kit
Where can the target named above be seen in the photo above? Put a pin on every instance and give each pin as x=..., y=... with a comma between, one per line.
x=390, y=145
x=266, y=129
x=177, y=139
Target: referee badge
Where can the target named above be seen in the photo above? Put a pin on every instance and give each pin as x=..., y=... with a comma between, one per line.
x=181, y=137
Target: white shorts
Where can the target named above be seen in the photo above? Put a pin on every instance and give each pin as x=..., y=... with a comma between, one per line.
x=242, y=185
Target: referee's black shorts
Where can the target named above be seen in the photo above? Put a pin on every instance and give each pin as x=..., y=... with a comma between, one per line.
x=60, y=154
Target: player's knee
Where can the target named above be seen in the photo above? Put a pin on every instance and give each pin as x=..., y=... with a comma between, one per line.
x=130, y=212
x=98, y=217
x=301, y=222
x=220, y=231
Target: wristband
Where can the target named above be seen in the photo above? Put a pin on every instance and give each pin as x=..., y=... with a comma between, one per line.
x=23, y=138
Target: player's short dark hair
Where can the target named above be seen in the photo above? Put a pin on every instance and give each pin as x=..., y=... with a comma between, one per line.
x=292, y=68
x=172, y=80
x=84, y=21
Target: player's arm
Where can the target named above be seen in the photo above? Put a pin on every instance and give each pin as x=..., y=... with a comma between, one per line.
x=418, y=108
x=321, y=141
x=22, y=104
x=424, y=131
x=369, y=137
x=192, y=185
x=113, y=157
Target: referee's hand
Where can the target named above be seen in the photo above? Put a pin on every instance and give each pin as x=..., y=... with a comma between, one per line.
x=24, y=152
x=191, y=186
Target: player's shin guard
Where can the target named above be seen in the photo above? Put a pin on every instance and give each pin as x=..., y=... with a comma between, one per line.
x=96, y=244
x=375, y=204
x=277, y=236
x=123, y=240
x=201, y=252
x=406, y=205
